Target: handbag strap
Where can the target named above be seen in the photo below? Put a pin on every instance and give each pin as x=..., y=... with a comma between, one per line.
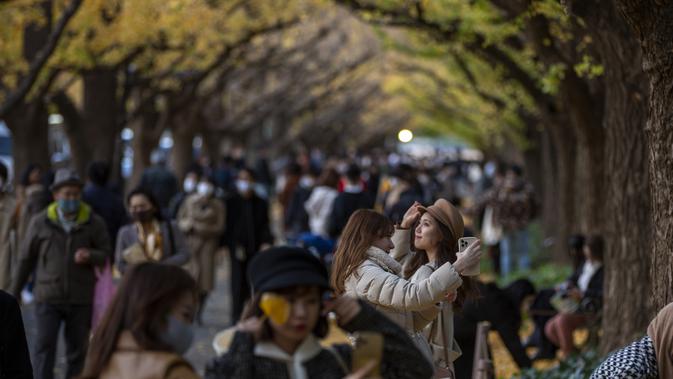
x=339, y=359
x=444, y=339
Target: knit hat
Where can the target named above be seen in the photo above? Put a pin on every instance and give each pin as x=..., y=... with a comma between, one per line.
x=447, y=215
x=66, y=177
x=285, y=266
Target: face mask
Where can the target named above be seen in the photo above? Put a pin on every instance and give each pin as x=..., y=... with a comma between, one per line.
x=306, y=182
x=204, y=189
x=243, y=186
x=189, y=185
x=178, y=335
x=142, y=216
x=69, y=206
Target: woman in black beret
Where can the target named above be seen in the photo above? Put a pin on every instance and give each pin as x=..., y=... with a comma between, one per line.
x=279, y=333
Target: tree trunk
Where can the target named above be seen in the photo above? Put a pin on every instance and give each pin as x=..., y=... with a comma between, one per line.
x=627, y=212
x=533, y=161
x=585, y=111
x=99, y=113
x=146, y=135
x=550, y=202
x=564, y=143
x=30, y=136
x=652, y=22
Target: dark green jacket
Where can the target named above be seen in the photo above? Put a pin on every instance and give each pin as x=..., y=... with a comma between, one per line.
x=50, y=251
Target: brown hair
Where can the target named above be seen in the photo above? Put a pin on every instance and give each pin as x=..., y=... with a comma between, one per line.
x=448, y=246
x=363, y=228
x=596, y=246
x=329, y=178
x=252, y=309
x=145, y=297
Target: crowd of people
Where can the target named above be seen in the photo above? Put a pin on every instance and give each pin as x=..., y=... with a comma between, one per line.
x=373, y=240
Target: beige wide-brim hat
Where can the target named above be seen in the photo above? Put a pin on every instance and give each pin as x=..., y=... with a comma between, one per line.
x=448, y=215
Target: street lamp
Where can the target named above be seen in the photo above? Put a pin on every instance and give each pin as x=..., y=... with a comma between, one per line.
x=405, y=135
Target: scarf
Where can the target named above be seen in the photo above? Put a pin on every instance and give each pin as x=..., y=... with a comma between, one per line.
x=384, y=260
x=308, y=350
x=661, y=332
x=151, y=241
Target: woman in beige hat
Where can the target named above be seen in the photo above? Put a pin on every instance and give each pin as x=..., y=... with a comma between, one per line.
x=435, y=243
x=364, y=268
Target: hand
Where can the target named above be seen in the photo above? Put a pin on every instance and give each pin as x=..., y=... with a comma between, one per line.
x=82, y=256
x=345, y=308
x=411, y=216
x=451, y=296
x=252, y=325
x=469, y=258
x=363, y=372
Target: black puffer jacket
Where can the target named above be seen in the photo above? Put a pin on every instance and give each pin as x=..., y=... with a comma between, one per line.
x=401, y=359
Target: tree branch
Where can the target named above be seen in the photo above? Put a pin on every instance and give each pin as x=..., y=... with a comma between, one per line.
x=40, y=60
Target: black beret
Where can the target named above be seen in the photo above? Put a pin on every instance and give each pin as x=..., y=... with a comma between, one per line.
x=285, y=266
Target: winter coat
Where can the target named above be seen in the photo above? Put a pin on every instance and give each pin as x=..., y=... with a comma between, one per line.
x=400, y=358
x=496, y=306
x=129, y=361
x=201, y=220
x=296, y=217
x=318, y=206
x=513, y=208
x=248, y=225
x=33, y=201
x=107, y=205
x=175, y=248
x=379, y=281
x=345, y=204
x=49, y=251
x=594, y=292
x=439, y=325
x=8, y=243
x=14, y=357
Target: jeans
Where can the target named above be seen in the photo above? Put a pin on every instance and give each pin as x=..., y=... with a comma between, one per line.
x=77, y=319
x=514, y=246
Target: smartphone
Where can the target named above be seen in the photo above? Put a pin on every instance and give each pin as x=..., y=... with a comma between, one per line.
x=464, y=242
x=368, y=347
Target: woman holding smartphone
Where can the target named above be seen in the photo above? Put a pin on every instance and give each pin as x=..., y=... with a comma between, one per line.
x=435, y=243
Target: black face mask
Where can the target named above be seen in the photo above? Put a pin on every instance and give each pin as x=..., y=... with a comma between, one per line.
x=142, y=216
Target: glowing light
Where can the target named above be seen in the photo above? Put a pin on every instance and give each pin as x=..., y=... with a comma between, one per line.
x=405, y=135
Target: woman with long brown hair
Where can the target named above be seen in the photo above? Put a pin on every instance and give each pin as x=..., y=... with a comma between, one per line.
x=435, y=244
x=147, y=327
x=363, y=267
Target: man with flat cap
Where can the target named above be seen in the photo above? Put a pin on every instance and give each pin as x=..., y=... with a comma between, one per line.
x=62, y=246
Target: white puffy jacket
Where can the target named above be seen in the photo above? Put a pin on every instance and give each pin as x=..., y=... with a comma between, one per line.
x=379, y=281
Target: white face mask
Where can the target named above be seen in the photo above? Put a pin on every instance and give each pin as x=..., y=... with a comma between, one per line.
x=189, y=185
x=243, y=186
x=204, y=189
x=306, y=182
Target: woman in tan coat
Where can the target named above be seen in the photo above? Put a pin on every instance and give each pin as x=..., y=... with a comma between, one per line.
x=147, y=328
x=201, y=220
x=363, y=268
x=440, y=226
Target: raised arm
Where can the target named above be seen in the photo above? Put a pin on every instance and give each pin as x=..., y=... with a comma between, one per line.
x=389, y=290
x=402, y=235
